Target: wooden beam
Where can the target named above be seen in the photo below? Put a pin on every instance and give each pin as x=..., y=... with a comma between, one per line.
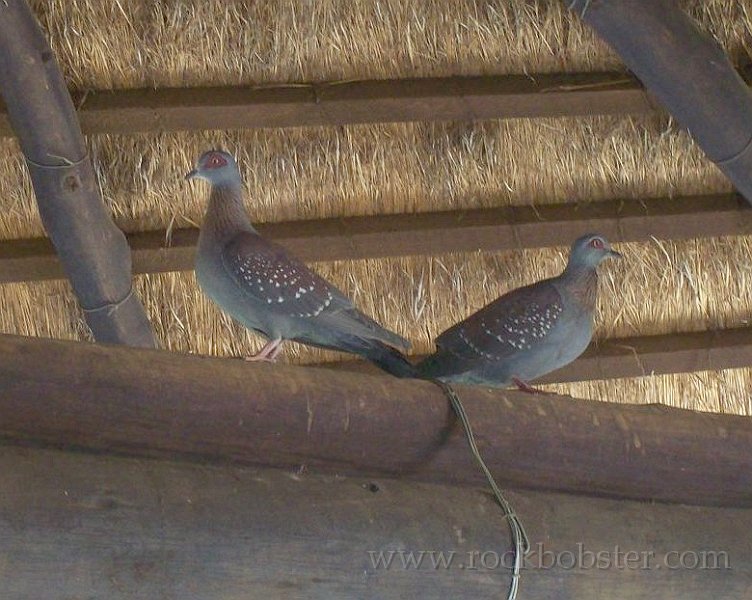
x=492, y=229
x=640, y=356
x=362, y=101
x=92, y=249
x=157, y=403
x=688, y=73
x=350, y=102
x=636, y=356
x=80, y=526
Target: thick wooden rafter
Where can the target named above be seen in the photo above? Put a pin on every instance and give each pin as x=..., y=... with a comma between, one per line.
x=82, y=526
x=156, y=403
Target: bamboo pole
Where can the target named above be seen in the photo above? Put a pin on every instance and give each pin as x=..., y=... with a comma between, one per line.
x=157, y=403
x=93, y=251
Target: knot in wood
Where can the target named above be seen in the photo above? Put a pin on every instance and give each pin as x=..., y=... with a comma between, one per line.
x=71, y=183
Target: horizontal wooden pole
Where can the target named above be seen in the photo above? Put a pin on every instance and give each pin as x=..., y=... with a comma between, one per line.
x=335, y=103
x=636, y=356
x=365, y=101
x=640, y=356
x=80, y=526
x=491, y=229
x=157, y=403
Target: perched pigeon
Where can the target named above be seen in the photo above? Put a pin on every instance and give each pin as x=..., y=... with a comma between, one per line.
x=528, y=332
x=260, y=285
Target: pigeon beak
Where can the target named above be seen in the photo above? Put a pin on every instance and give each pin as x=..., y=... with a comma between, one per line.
x=192, y=174
x=615, y=254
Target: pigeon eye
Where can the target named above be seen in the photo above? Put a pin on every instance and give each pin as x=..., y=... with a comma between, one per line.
x=596, y=243
x=215, y=161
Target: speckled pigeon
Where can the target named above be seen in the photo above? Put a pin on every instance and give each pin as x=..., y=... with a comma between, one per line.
x=260, y=285
x=527, y=332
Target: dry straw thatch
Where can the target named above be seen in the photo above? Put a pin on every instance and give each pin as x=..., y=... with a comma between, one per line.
x=302, y=173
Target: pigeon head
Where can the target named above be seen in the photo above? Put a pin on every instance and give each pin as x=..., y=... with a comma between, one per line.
x=216, y=167
x=589, y=250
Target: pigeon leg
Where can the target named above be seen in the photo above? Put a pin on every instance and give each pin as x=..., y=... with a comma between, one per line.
x=268, y=353
x=277, y=349
x=526, y=387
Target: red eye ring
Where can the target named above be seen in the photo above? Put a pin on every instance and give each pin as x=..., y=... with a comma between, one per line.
x=597, y=243
x=215, y=161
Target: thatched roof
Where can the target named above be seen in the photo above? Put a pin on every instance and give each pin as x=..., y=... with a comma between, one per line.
x=663, y=286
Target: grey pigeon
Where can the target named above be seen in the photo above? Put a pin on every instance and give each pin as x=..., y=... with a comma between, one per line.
x=527, y=332
x=261, y=286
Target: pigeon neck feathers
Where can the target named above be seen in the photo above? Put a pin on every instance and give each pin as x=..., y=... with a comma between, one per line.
x=581, y=281
x=226, y=215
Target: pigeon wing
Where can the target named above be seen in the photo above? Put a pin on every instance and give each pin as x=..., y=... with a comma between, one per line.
x=284, y=285
x=264, y=271
x=517, y=321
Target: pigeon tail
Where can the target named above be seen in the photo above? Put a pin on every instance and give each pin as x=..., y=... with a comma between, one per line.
x=391, y=360
x=373, y=329
x=439, y=365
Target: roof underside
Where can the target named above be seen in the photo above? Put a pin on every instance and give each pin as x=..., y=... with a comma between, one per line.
x=662, y=287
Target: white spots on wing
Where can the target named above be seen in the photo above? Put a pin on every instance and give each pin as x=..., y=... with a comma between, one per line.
x=320, y=308
x=286, y=283
x=474, y=347
x=533, y=324
x=519, y=330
